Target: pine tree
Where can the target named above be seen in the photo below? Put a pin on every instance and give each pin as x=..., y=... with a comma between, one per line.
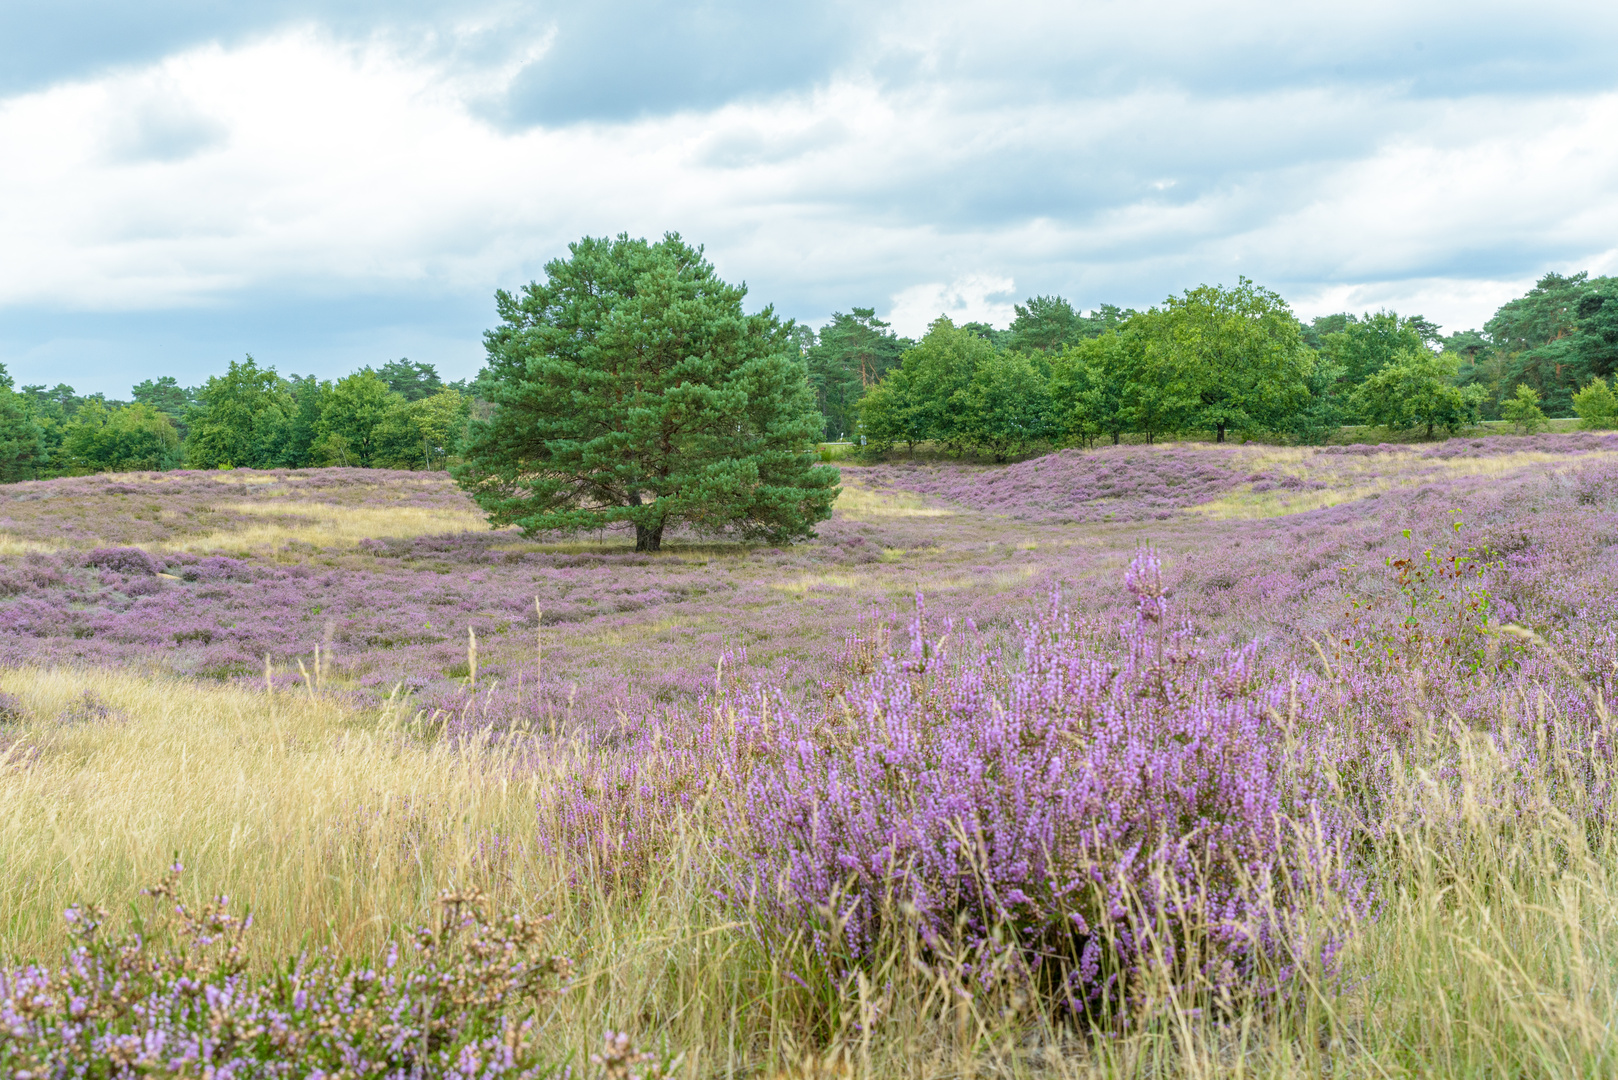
x=630, y=386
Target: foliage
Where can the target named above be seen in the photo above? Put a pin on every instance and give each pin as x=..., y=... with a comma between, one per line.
x=240, y=418
x=926, y=397
x=411, y=380
x=424, y=433
x=22, y=443
x=120, y=439
x=1596, y=405
x=1554, y=338
x=1416, y=390
x=850, y=355
x=1235, y=355
x=168, y=397
x=1049, y=324
x=630, y=386
x=352, y=417
x=1523, y=410
x=1005, y=409
x=1596, y=349
x=1364, y=346
x=1087, y=390
x=174, y=997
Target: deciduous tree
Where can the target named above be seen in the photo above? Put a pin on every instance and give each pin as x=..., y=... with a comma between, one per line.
x=1234, y=358
x=1596, y=405
x=1417, y=390
x=1523, y=411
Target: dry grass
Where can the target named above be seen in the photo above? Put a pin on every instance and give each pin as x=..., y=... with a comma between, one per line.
x=864, y=504
x=322, y=820
x=326, y=525
x=11, y=545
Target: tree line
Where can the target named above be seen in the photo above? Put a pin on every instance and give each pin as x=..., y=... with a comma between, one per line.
x=401, y=415
x=1215, y=361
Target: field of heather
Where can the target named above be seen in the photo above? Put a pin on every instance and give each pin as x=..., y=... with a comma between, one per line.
x=1140, y=761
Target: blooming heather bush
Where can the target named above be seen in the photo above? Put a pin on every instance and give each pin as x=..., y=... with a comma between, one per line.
x=1126, y=483
x=1122, y=812
x=188, y=1006
x=124, y=560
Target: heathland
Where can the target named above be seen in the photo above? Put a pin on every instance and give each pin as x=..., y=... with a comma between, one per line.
x=1142, y=761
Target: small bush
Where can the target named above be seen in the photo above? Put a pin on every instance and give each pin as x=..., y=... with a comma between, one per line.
x=174, y=997
x=124, y=560
x=1118, y=821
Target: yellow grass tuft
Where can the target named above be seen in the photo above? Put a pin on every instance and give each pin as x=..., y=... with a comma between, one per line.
x=325, y=821
x=325, y=525
x=864, y=504
x=11, y=545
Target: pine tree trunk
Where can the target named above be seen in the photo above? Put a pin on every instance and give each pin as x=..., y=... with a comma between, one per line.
x=649, y=538
x=1219, y=433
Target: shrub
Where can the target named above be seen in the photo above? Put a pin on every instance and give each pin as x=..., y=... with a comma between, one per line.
x=1523, y=410
x=175, y=998
x=124, y=560
x=1596, y=405
x=1119, y=819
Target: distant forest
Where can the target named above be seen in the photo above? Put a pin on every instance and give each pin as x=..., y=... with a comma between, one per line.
x=1215, y=361
x=1209, y=362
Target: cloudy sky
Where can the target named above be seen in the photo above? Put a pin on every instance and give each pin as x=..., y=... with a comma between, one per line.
x=327, y=185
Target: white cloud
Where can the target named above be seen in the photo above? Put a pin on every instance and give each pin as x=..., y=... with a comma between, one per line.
x=300, y=165
x=971, y=298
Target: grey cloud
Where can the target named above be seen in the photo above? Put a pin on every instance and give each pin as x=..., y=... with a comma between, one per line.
x=631, y=58
x=612, y=60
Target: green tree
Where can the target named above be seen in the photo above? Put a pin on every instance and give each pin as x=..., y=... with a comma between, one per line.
x=1417, y=390
x=1087, y=390
x=999, y=339
x=1552, y=339
x=1523, y=410
x=22, y=446
x=1365, y=346
x=411, y=380
x=1048, y=324
x=925, y=398
x=300, y=430
x=1596, y=347
x=422, y=434
x=888, y=414
x=1322, y=415
x=850, y=355
x=122, y=438
x=1596, y=405
x=351, y=418
x=51, y=410
x=1005, y=409
x=630, y=386
x=241, y=419
x=1234, y=358
x=1314, y=335
x=168, y=397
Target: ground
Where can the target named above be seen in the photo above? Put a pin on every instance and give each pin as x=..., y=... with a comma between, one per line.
x=336, y=692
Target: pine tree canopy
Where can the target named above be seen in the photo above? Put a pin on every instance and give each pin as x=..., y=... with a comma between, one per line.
x=630, y=386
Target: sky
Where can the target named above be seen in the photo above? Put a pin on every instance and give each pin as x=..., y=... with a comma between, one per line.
x=331, y=185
